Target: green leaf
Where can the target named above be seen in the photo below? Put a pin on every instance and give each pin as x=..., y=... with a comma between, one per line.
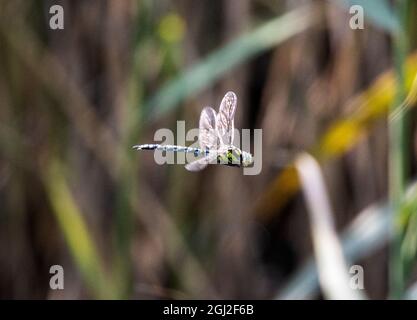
x=219, y=62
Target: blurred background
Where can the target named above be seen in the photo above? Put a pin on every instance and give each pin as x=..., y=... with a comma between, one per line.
x=74, y=193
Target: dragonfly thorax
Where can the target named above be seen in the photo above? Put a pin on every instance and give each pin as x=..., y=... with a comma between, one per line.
x=231, y=155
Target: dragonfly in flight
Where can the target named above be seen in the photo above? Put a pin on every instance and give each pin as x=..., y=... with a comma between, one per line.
x=216, y=133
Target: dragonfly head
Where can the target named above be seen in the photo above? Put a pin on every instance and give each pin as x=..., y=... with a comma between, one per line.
x=246, y=159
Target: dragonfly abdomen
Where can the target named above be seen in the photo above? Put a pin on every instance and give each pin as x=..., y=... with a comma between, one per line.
x=169, y=148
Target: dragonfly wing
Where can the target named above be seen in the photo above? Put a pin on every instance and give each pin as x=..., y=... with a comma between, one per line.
x=200, y=164
x=208, y=137
x=225, y=118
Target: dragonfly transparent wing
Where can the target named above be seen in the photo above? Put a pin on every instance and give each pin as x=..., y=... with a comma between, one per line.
x=225, y=118
x=200, y=164
x=207, y=136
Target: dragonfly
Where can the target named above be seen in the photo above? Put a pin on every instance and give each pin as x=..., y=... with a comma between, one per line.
x=216, y=135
